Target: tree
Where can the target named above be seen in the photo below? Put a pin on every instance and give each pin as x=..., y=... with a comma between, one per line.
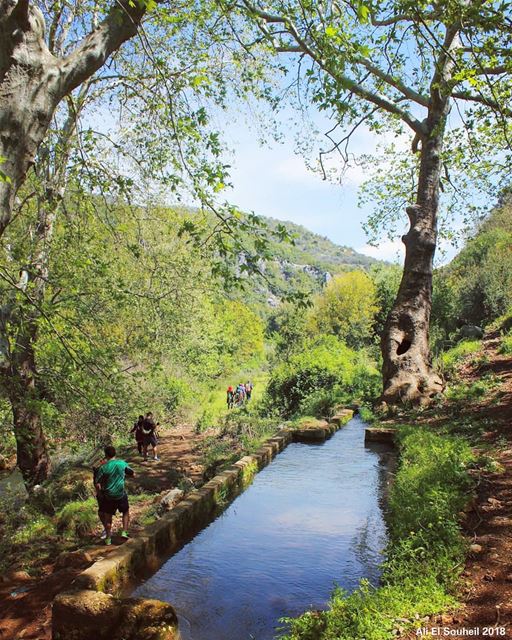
x=51, y=81
x=393, y=65
x=34, y=79
x=346, y=308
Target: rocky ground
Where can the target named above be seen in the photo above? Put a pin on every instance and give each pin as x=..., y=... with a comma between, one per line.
x=488, y=572
x=25, y=602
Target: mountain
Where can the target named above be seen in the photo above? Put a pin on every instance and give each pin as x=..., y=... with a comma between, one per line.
x=304, y=265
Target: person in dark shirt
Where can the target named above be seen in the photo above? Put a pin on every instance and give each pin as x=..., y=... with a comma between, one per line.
x=149, y=435
x=110, y=485
x=137, y=430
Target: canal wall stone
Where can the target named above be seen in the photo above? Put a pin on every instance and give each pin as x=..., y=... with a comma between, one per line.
x=96, y=607
x=386, y=435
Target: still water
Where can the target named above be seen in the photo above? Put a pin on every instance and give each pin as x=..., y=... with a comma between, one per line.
x=311, y=520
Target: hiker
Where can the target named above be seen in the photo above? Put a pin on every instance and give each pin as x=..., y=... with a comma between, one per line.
x=110, y=486
x=137, y=430
x=248, y=389
x=99, y=497
x=240, y=395
x=230, y=397
x=149, y=435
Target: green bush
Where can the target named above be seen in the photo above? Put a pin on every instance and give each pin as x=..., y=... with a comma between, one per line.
x=474, y=390
x=325, y=372
x=425, y=550
x=79, y=518
x=505, y=347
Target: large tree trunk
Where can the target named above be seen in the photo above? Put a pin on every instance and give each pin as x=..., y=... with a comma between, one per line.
x=19, y=376
x=407, y=366
x=25, y=398
x=33, y=81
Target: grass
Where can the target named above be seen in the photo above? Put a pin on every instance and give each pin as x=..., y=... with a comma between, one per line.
x=214, y=405
x=448, y=360
x=465, y=391
x=505, y=347
x=425, y=552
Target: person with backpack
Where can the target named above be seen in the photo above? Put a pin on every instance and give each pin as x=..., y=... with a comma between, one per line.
x=137, y=431
x=149, y=435
x=240, y=391
x=110, y=485
x=230, y=397
x=248, y=390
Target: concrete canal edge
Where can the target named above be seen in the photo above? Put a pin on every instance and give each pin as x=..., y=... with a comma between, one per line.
x=95, y=610
x=385, y=435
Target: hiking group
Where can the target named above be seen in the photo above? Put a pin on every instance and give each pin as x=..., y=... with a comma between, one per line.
x=239, y=396
x=145, y=435
x=110, y=474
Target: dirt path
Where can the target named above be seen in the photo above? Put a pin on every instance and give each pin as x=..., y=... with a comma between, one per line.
x=489, y=525
x=25, y=604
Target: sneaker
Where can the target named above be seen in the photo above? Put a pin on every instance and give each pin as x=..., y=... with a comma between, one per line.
x=108, y=541
x=156, y=458
x=124, y=534
x=103, y=535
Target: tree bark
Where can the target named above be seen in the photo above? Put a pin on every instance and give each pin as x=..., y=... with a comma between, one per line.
x=33, y=81
x=407, y=371
x=25, y=398
x=19, y=376
x=408, y=376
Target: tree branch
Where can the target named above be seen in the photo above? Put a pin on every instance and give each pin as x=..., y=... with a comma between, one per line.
x=345, y=81
x=121, y=24
x=487, y=102
x=394, y=82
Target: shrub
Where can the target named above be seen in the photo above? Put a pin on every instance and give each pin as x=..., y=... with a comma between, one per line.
x=505, y=347
x=474, y=390
x=346, y=308
x=325, y=373
x=449, y=360
x=41, y=526
x=78, y=518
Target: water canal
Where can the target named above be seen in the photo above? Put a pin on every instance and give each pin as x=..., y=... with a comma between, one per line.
x=311, y=519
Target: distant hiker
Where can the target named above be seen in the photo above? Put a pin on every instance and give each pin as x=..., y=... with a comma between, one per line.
x=110, y=486
x=149, y=435
x=240, y=394
x=99, y=497
x=137, y=431
x=248, y=389
x=230, y=397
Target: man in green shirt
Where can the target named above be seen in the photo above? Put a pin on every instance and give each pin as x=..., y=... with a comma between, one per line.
x=110, y=486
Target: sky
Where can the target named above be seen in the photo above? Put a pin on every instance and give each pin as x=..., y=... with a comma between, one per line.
x=273, y=180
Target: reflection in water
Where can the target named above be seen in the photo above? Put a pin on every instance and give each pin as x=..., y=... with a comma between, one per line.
x=310, y=520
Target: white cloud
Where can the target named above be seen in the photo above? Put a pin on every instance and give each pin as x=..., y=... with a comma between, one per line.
x=391, y=250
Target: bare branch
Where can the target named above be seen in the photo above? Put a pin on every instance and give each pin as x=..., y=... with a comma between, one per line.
x=487, y=102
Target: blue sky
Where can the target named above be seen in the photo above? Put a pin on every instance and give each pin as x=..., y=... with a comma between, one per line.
x=273, y=180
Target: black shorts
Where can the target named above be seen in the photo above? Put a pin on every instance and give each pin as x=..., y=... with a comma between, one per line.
x=101, y=499
x=111, y=505
x=149, y=439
